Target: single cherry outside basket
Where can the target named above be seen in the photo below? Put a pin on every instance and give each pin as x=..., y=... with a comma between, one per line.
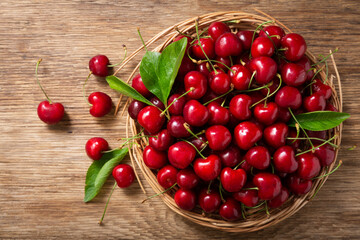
x=256, y=218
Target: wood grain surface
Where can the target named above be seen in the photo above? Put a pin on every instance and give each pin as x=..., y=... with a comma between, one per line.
x=43, y=168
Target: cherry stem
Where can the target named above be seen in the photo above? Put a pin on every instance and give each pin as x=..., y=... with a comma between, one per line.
x=306, y=135
x=251, y=188
x=329, y=173
x=208, y=189
x=272, y=168
x=297, y=132
x=257, y=206
x=160, y=193
x=142, y=130
x=197, y=150
x=282, y=49
x=236, y=167
x=181, y=33
x=325, y=58
x=253, y=37
x=326, y=69
x=269, y=95
x=220, y=192
x=182, y=95
x=257, y=89
x=38, y=81
x=231, y=62
x=313, y=148
x=312, y=138
x=277, y=36
x=142, y=40
x=107, y=203
x=86, y=100
x=267, y=209
x=216, y=98
x=223, y=65
x=243, y=211
x=251, y=79
x=117, y=64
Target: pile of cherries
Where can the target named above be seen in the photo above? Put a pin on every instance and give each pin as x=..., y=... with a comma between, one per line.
x=223, y=141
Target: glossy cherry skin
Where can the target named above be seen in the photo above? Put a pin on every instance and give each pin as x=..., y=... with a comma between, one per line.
x=177, y=107
x=134, y=108
x=198, y=81
x=195, y=113
x=262, y=46
x=176, y=128
x=298, y=185
x=233, y=180
x=228, y=44
x=240, y=106
x=321, y=88
x=309, y=166
x=139, y=86
x=124, y=175
x=288, y=97
x=240, y=78
x=101, y=104
x=199, y=142
x=305, y=63
x=186, y=66
x=223, y=63
x=162, y=141
x=218, y=115
x=219, y=137
x=95, y=147
x=246, y=134
x=275, y=31
x=157, y=103
x=216, y=29
x=326, y=154
x=315, y=102
x=295, y=46
x=284, y=160
x=275, y=135
x=246, y=166
x=230, y=157
x=166, y=176
x=266, y=114
x=181, y=154
x=208, y=46
x=185, y=199
x=150, y=119
x=279, y=199
x=245, y=38
x=50, y=113
x=248, y=197
x=203, y=68
x=258, y=157
x=98, y=65
x=209, y=201
x=284, y=115
x=230, y=210
x=269, y=185
x=187, y=179
x=154, y=159
x=265, y=68
x=293, y=74
x=219, y=82
x=209, y=168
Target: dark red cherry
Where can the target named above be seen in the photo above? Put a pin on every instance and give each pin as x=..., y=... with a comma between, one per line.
x=154, y=159
x=181, y=154
x=275, y=135
x=288, y=97
x=279, y=199
x=246, y=166
x=209, y=201
x=247, y=134
x=266, y=114
x=258, y=157
x=262, y=46
x=275, y=32
x=166, y=176
x=185, y=199
x=248, y=197
x=295, y=46
x=50, y=113
x=269, y=185
x=240, y=78
x=156, y=101
x=284, y=115
x=176, y=128
x=293, y=74
x=124, y=175
x=199, y=142
x=139, y=86
x=228, y=44
x=240, y=106
x=177, y=107
x=162, y=140
x=330, y=107
x=210, y=96
x=309, y=166
x=198, y=81
x=216, y=29
x=219, y=137
x=203, y=68
x=219, y=82
x=134, y=108
x=187, y=179
x=223, y=63
x=195, y=113
x=208, y=46
x=101, y=104
x=305, y=63
x=98, y=65
x=246, y=38
x=230, y=210
x=265, y=68
x=298, y=185
x=325, y=153
x=209, y=168
x=233, y=180
x=315, y=102
x=95, y=147
x=284, y=160
x=321, y=88
x=274, y=84
x=218, y=115
x=186, y=66
x=295, y=144
x=230, y=157
x=150, y=119
x=256, y=97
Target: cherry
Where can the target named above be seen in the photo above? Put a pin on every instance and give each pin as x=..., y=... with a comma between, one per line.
x=230, y=210
x=210, y=200
x=275, y=31
x=305, y=63
x=245, y=38
x=177, y=107
x=230, y=157
x=203, y=68
x=176, y=128
x=325, y=153
x=295, y=144
x=293, y=74
x=199, y=142
x=266, y=114
x=50, y=113
x=207, y=44
x=233, y=180
x=240, y=106
x=274, y=84
x=151, y=119
x=284, y=160
x=209, y=168
x=134, y=108
x=219, y=137
x=248, y=197
x=98, y=65
x=246, y=166
x=228, y=44
x=139, y=86
x=181, y=154
x=161, y=141
x=157, y=103
x=275, y=135
x=219, y=82
x=187, y=179
x=288, y=97
x=223, y=63
x=154, y=159
x=284, y=115
x=186, y=66
x=101, y=104
x=262, y=46
x=198, y=81
x=279, y=199
x=195, y=113
x=322, y=89
x=330, y=107
x=265, y=68
x=124, y=175
x=185, y=199
x=298, y=185
x=166, y=176
x=95, y=147
x=210, y=96
x=309, y=166
x=258, y=157
x=218, y=115
x=269, y=185
x=247, y=134
x=240, y=78
x=216, y=29
x=315, y=102
x=295, y=46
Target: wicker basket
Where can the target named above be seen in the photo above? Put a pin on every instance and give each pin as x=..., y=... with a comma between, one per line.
x=256, y=219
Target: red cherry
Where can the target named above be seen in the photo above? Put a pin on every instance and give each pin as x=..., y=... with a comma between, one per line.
x=262, y=46
x=176, y=128
x=246, y=166
x=248, y=197
x=166, y=176
x=95, y=147
x=219, y=137
x=330, y=107
x=322, y=89
x=154, y=159
x=288, y=97
x=150, y=119
x=198, y=81
x=240, y=106
x=230, y=157
x=218, y=115
x=240, y=78
x=223, y=63
x=210, y=200
x=228, y=44
x=187, y=179
x=209, y=168
x=157, y=103
x=195, y=113
x=309, y=166
x=295, y=144
x=305, y=63
x=124, y=175
x=275, y=135
x=216, y=29
x=275, y=31
x=98, y=65
x=162, y=141
x=315, y=102
x=295, y=46
x=230, y=210
x=233, y=180
x=274, y=84
x=199, y=142
x=210, y=95
x=177, y=107
x=186, y=66
x=256, y=97
x=293, y=74
x=208, y=46
x=269, y=185
x=279, y=199
x=101, y=104
x=203, y=68
x=284, y=160
x=50, y=113
x=258, y=157
x=246, y=38
x=181, y=154
x=298, y=185
x=139, y=86
x=284, y=115
x=265, y=68
x=325, y=153
x=219, y=82
x=134, y=108
x=247, y=134
x=185, y=199
x=266, y=114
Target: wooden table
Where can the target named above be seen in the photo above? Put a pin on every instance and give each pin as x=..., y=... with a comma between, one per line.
x=42, y=168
